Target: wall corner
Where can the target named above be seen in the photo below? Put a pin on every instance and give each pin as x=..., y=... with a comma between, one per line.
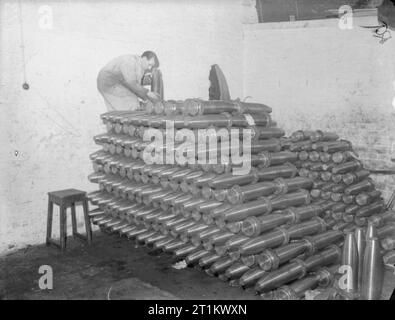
x=250, y=14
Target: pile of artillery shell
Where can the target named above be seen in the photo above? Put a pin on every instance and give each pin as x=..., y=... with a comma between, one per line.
x=353, y=205
x=277, y=228
x=339, y=180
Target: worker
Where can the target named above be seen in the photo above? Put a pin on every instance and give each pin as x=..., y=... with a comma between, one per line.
x=120, y=81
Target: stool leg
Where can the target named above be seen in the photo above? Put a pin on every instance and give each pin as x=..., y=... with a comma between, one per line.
x=63, y=227
x=87, y=222
x=49, y=222
x=73, y=219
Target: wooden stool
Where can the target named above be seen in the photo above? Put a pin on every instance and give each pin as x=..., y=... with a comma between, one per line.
x=64, y=199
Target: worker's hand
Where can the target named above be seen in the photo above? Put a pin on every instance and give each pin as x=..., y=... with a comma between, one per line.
x=153, y=96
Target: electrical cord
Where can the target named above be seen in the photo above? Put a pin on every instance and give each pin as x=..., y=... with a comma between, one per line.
x=25, y=85
x=382, y=32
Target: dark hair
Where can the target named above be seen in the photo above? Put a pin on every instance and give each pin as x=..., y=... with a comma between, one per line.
x=149, y=55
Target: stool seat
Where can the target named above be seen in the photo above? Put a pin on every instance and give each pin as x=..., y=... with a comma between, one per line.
x=65, y=199
x=67, y=196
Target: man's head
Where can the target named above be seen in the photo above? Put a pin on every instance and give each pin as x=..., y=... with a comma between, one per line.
x=150, y=60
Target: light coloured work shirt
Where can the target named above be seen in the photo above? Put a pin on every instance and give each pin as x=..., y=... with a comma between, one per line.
x=119, y=82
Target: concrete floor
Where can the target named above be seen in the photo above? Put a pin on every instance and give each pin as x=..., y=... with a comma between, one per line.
x=112, y=268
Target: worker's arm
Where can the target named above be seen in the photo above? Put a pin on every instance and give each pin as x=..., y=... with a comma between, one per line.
x=129, y=80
